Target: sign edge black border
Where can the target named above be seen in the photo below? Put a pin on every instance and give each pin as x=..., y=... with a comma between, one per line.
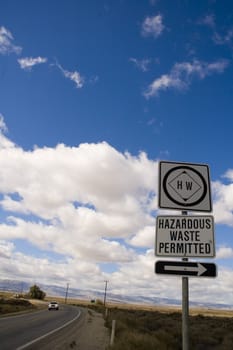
x=184, y=208
x=165, y=275
x=186, y=256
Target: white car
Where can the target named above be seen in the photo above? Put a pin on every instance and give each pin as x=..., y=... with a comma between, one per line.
x=53, y=305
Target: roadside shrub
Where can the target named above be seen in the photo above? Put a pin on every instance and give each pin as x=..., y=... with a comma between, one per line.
x=137, y=329
x=13, y=305
x=137, y=341
x=36, y=293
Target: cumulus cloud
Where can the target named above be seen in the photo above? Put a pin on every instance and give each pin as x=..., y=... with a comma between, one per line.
x=19, y=266
x=6, y=42
x=84, y=198
x=218, y=289
x=223, y=202
x=144, y=237
x=28, y=62
x=224, y=252
x=222, y=192
x=83, y=203
x=6, y=249
x=153, y=26
x=73, y=76
x=182, y=74
x=138, y=277
x=90, y=205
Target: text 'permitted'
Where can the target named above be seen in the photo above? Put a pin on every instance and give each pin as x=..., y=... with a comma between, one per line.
x=185, y=236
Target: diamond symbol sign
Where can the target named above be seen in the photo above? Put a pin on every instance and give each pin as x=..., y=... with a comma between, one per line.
x=184, y=186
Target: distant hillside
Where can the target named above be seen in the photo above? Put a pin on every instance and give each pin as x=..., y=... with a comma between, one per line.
x=52, y=290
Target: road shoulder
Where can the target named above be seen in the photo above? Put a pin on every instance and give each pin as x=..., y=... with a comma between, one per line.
x=95, y=335
x=87, y=333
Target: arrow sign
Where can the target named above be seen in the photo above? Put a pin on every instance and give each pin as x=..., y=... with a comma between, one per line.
x=199, y=269
x=192, y=269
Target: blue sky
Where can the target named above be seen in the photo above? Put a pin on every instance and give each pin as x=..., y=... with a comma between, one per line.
x=92, y=95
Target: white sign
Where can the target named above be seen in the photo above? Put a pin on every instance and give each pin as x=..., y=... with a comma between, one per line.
x=185, y=236
x=184, y=186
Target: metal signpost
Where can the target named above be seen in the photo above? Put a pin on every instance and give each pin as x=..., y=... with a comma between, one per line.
x=185, y=186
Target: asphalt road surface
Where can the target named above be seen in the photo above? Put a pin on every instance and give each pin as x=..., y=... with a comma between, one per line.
x=26, y=330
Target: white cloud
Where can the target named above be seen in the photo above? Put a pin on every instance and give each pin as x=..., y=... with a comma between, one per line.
x=144, y=237
x=6, y=42
x=91, y=204
x=229, y=174
x=224, y=252
x=73, y=76
x=3, y=127
x=217, y=37
x=223, y=202
x=222, y=192
x=153, y=26
x=6, y=249
x=28, y=62
x=223, y=39
x=208, y=20
x=15, y=265
x=138, y=278
x=217, y=289
x=85, y=198
x=163, y=83
x=4, y=141
x=143, y=64
x=181, y=75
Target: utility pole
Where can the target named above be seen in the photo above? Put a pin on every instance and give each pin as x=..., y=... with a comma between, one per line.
x=105, y=292
x=67, y=288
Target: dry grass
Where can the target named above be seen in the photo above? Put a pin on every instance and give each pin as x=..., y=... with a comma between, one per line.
x=143, y=329
x=171, y=309
x=11, y=305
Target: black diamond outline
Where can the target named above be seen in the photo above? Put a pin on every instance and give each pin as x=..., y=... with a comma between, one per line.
x=185, y=199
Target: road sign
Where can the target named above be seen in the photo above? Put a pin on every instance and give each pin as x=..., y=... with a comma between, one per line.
x=185, y=236
x=188, y=269
x=184, y=186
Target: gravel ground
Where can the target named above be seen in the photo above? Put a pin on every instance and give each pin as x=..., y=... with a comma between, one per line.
x=95, y=335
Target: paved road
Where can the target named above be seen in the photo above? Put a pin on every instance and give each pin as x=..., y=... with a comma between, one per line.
x=18, y=332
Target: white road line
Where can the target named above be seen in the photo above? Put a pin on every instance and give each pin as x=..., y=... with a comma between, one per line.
x=49, y=333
